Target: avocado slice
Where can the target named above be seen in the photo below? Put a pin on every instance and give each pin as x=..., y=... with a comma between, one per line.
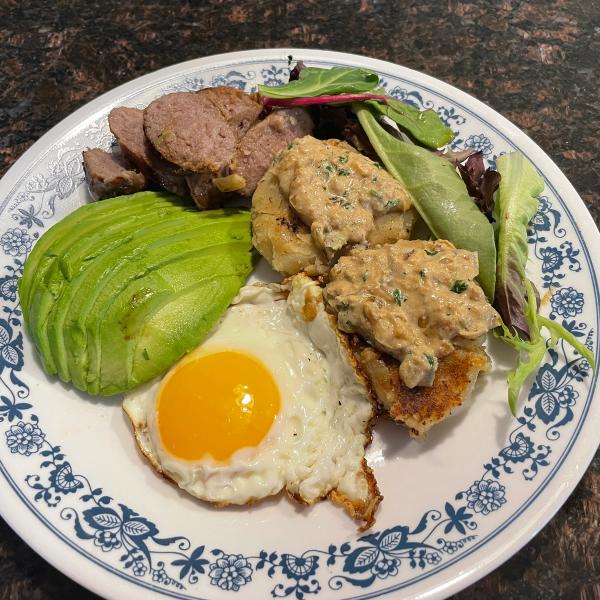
x=68, y=315
x=45, y=249
x=42, y=273
x=62, y=263
x=122, y=365
x=128, y=278
x=41, y=266
x=161, y=254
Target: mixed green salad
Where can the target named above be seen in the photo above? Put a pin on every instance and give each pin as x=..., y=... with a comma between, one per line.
x=482, y=210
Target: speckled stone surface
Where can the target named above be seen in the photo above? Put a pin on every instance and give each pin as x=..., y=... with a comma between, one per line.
x=535, y=62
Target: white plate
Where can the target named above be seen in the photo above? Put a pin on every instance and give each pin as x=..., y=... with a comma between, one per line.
x=456, y=505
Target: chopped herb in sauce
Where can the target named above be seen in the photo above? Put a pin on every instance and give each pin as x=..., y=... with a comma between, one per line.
x=328, y=170
x=374, y=178
x=343, y=159
x=347, y=205
x=431, y=252
x=392, y=203
x=431, y=360
x=376, y=194
x=365, y=276
x=459, y=286
x=422, y=273
x=349, y=324
x=399, y=297
x=377, y=165
x=343, y=306
x=343, y=172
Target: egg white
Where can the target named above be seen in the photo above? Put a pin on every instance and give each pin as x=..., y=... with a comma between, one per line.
x=317, y=441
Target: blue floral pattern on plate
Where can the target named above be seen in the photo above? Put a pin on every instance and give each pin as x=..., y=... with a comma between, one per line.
x=145, y=553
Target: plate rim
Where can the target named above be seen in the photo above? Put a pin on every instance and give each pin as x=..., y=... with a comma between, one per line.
x=78, y=119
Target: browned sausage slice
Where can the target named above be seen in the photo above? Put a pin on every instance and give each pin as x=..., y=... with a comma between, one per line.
x=127, y=125
x=257, y=148
x=189, y=130
x=239, y=109
x=109, y=175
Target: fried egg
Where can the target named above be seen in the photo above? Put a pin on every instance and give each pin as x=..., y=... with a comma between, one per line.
x=272, y=400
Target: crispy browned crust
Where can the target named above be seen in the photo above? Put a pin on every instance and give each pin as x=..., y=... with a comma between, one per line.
x=419, y=408
x=361, y=511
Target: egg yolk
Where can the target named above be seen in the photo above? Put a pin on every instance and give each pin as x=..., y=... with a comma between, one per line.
x=216, y=404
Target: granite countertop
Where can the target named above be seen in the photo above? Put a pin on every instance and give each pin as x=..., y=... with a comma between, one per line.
x=534, y=62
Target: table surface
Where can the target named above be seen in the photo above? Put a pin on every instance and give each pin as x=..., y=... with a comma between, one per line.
x=534, y=62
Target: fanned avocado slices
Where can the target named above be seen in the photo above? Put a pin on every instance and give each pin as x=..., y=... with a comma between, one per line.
x=119, y=290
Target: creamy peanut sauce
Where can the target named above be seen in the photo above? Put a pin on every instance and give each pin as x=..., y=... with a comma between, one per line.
x=414, y=300
x=336, y=191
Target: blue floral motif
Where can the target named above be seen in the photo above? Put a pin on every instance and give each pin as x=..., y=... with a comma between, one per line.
x=273, y=75
x=11, y=347
x=480, y=143
x=412, y=97
x=10, y=409
x=24, y=438
x=485, y=496
x=63, y=480
x=235, y=79
x=28, y=217
x=449, y=116
x=107, y=540
x=552, y=259
x=16, y=241
x=519, y=449
x=230, y=572
x=114, y=529
x=433, y=558
x=547, y=219
x=139, y=569
x=299, y=567
x=189, y=84
x=567, y=302
x=192, y=565
x=8, y=288
x=385, y=567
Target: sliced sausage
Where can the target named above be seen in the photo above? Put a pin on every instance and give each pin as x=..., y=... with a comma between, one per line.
x=127, y=125
x=257, y=148
x=239, y=109
x=109, y=175
x=202, y=190
x=189, y=130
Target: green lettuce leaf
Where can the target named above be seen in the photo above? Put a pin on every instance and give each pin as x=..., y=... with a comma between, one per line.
x=516, y=300
x=314, y=81
x=438, y=193
x=532, y=351
x=516, y=205
x=425, y=127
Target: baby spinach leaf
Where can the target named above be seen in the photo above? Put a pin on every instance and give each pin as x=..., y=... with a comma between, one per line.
x=425, y=127
x=438, y=193
x=313, y=81
x=313, y=85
